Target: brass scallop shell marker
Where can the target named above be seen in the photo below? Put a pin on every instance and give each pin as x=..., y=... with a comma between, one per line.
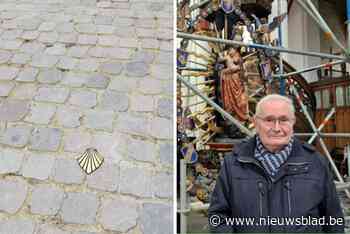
x=90, y=160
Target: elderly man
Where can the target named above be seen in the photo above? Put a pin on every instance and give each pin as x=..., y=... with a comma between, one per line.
x=273, y=182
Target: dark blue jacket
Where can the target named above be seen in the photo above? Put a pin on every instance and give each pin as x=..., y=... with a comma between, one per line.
x=303, y=187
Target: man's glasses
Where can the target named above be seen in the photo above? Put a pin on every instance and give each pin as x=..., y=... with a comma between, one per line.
x=271, y=121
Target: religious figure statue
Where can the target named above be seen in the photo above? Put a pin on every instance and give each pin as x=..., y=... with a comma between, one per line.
x=233, y=93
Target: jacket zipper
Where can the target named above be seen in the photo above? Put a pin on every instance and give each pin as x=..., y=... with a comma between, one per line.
x=287, y=184
x=261, y=194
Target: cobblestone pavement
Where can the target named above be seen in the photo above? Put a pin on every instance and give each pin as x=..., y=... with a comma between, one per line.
x=76, y=74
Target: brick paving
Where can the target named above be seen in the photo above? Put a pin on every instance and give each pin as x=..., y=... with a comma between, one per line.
x=76, y=74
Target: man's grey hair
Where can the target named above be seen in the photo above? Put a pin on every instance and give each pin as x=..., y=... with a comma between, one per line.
x=274, y=97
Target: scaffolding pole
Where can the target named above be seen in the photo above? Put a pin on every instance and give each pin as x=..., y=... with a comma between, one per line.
x=217, y=107
x=280, y=44
x=183, y=198
x=323, y=145
x=310, y=69
x=324, y=26
x=324, y=122
x=258, y=46
x=329, y=135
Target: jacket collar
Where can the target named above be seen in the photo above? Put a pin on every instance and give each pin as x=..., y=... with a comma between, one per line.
x=297, y=158
x=246, y=149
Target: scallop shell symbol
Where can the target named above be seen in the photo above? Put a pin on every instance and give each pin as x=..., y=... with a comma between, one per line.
x=90, y=160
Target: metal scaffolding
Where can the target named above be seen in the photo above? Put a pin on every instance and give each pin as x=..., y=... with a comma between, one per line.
x=316, y=134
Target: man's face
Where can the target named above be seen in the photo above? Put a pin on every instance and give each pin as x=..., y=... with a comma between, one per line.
x=274, y=124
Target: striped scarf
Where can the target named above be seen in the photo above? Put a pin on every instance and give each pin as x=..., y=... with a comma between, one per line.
x=272, y=161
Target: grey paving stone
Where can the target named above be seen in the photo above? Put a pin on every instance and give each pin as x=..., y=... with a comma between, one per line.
x=163, y=224
x=41, y=60
x=118, y=215
x=16, y=136
x=68, y=37
x=10, y=161
x=88, y=65
x=132, y=124
x=106, y=178
x=99, y=120
x=86, y=28
x=125, y=31
x=11, y=44
x=9, y=24
x=67, y=171
x=33, y=48
x=123, y=22
x=141, y=150
x=8, y=73
x=47, y=26
x=128, y=42
x=77, y=51
x=168, y=88
x=21, y=58
x=38, y=166
x=103, y=19
x=30, y=35
x=48, y=37
x=119, y=53
x=166, y=154
x=84, y=39
x=99, y=52
x=17, y=225
x=76, y=141
x=11, y=34
x=97, y=81
x=137, y=69
x=110, y=146
x=13, y=110
x=28, y=74
x=76, y=80
x=146, y=33
x=150, y=43
x=163, y=72
x=65, y=27
x=50, y=229
x=46, y=199
x=56, y=49
x=29, y=23
x=52, y=94
x=45, y=139
x=105, y=29
x=166, y=46
x=13, y=193
x=123, y=84
x=107, y=40
x=114, y=101
x=163, y=185
x=144, y=56
x=83, y=18
x=67, y=63
x=148, y=85
x=165, y=108
x=142, y=103
x=5, y=88
x=80, y=208
x=5, y=56
x=68, y=117
x=141, y=184
x=161, y=128
x=112, y=68
x=82, y=98
x=50, y=76
x=164, y=57
x=24, y=91
x=40, y=113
